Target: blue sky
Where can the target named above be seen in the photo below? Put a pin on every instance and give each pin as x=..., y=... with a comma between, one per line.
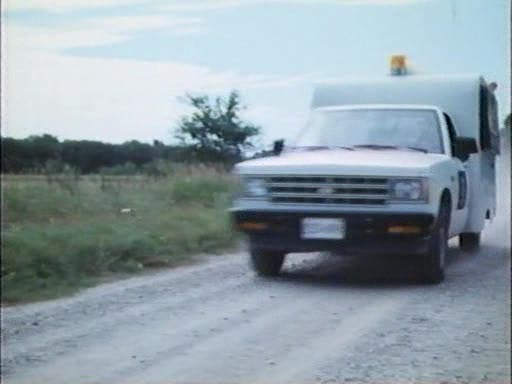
x=113, y=70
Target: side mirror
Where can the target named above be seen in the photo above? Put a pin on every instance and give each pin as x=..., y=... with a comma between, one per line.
x=278, y=147
x=463, y=147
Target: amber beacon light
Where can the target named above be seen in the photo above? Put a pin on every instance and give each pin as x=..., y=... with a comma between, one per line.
x=398, y=65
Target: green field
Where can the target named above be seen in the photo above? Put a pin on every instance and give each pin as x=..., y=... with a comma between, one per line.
x=63, y=233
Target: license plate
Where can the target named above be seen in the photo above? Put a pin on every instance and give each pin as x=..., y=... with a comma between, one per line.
x=322, y=228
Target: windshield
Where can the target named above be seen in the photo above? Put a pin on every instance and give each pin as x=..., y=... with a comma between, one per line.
x=377, y=128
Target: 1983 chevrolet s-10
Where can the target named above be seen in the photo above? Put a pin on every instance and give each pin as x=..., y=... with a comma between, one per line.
x=396, y=165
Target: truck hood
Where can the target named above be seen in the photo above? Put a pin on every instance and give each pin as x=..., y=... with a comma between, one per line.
x=345, y=162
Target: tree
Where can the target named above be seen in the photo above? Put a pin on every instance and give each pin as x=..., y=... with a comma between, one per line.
x=214, y=130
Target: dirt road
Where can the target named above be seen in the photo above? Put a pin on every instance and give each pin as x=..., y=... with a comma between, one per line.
x=326, y=319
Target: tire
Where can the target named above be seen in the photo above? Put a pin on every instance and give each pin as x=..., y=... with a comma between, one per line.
x=267, y=263
x=469, y=241
x=433, y=261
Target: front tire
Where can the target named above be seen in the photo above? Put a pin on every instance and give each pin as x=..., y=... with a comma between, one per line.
x=469, y=241
x=267, y=263
x=434, y=259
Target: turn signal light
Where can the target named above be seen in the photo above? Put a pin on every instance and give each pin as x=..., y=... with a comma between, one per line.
x=250, y=226
x=404, y=229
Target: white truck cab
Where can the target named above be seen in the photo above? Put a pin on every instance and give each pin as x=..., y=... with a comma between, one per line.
x=393, y=165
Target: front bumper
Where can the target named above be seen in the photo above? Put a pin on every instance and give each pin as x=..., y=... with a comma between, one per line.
x=366, y=232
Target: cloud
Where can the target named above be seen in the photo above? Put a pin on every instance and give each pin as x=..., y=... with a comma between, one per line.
x=137, y=23
x=97, y=31
x=103, y=30
x=178, y=5
x=209, y=5
x=117, y=99
x=104, y=99
x=107, y=99
x=63, y=5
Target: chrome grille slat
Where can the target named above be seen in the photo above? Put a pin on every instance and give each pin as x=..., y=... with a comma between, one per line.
x=329, y=196
x=328, y=190
x=331, y=185
x=281, y=200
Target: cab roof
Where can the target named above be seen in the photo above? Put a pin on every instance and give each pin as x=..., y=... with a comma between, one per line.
x=376, y=106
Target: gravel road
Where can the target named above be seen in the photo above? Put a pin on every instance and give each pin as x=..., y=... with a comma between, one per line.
x=326, y=319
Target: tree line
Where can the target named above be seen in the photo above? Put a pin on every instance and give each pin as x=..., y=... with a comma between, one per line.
x=213, y=132
x=45, y=153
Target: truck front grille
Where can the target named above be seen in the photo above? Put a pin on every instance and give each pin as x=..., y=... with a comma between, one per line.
x=328, y=190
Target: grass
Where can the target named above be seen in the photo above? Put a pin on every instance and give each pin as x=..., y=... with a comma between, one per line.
x=62, y=234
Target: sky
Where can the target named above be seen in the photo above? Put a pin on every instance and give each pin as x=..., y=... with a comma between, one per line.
x=117, y=70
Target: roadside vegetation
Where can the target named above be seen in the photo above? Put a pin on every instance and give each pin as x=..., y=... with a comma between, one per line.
x=66, y=232
x=77, y=212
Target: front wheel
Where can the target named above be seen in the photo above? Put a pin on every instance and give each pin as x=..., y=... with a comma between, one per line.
x=434, y=259
x=469, y=241
x=267, y=263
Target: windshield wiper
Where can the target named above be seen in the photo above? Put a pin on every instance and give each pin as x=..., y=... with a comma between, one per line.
x=417, y=149
x=379, y=146
x=321, y=147
x=375, y=146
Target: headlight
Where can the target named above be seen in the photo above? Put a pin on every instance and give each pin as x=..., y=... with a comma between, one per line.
x=414, y=190
x=255, y=187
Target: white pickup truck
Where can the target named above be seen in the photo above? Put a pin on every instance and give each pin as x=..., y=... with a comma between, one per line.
x=396, y=165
